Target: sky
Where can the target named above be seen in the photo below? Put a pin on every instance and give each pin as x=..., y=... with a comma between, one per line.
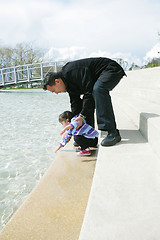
x=72, y=29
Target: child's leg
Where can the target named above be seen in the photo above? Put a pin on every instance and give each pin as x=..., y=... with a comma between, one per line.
x=84, y=142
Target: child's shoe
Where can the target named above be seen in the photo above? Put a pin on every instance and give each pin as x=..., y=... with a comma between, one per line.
x=85, y=152
x=78, y=149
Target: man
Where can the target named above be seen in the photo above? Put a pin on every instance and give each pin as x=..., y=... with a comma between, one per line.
x=88, y=82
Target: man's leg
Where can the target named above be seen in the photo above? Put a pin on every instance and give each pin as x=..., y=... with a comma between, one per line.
x=104, y=109
x=105, y=114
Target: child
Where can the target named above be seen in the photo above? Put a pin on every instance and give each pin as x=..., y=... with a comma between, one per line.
x=85, y=136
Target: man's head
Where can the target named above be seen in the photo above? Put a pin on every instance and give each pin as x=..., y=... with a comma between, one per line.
x=53, y=83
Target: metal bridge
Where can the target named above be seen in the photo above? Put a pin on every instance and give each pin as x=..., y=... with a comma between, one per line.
x=31, y=73
x=28, y=73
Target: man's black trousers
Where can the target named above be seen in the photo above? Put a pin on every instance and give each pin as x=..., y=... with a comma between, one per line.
x=103, y=104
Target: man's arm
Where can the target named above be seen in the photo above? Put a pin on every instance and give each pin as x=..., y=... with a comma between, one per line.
x=76, y=103
x=86, y=104
x=87, y=88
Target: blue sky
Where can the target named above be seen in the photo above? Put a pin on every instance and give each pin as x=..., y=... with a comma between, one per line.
x=82, y=28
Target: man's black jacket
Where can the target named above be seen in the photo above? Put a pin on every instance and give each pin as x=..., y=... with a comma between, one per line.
x=79, y=77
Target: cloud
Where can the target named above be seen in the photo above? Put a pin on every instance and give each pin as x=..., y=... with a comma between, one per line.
x=153, y=53
x=73, y=53
x=114, y=27
x=65, y=54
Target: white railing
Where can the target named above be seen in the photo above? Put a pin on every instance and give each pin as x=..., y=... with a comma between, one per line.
x=27, y=73
x=35, y=72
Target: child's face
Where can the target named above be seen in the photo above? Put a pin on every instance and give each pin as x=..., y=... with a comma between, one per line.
x=65, y=123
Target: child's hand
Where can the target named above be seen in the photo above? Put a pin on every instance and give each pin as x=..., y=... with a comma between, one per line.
x=56, y=150
x=63, y=131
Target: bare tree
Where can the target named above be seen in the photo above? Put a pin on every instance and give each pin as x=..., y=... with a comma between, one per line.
x=23, y=53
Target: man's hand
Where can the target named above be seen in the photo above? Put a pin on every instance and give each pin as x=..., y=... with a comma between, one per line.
x=79, y=120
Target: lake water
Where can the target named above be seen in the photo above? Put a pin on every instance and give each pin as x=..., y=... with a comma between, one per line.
x=29, y=133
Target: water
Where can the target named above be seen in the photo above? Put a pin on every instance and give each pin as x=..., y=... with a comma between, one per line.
x=29, y=133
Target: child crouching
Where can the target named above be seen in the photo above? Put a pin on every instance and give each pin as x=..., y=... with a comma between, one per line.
x=85, y=136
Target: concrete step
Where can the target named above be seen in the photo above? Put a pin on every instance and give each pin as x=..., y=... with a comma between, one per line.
x=143, y=84
x=134, y=107
x=143, y=78
x=125, y=194
x=149, y=95
x=145, y=116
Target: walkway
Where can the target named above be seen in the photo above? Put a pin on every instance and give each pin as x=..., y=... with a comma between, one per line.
x=125, y=195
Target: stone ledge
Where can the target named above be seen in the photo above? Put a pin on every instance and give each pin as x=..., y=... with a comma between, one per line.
x=145, y=116
x=125, y=194
x=150, y=128
x=56, y=207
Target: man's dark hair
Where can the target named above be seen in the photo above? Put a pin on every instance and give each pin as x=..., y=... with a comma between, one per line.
x=49, y=79
x=65, y=115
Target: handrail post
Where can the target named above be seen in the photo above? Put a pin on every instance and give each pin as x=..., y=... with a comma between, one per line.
x=55, y=67
x=3, y=82
x=42, y=71
x=28, y=73
x=15, y=75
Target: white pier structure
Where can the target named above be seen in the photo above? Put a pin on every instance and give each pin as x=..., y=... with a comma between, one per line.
x=28, y=73
x=35, y=72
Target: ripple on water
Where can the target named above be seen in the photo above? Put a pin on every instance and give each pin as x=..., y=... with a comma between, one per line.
x=29, y=131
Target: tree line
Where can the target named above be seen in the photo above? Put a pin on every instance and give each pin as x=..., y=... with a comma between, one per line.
x=155, y=62
x=25, y=53
x=22, y=53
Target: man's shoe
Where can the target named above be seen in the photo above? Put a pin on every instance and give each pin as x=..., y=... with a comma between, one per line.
x=111, y=139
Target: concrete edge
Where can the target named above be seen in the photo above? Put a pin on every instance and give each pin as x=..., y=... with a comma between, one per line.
x=147, y=122
x=55, y=208
x=149, y=126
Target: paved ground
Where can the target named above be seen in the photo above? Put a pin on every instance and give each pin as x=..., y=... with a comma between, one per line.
x=56, y=208
x=125, y=195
